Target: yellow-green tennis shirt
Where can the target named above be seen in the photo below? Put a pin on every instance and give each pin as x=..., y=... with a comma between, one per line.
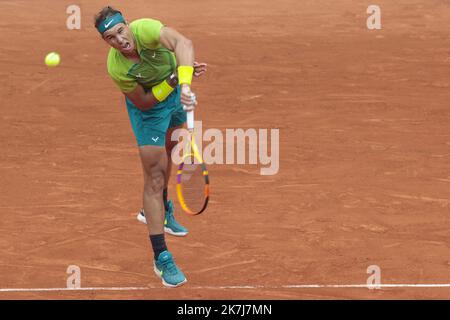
x=157, y=62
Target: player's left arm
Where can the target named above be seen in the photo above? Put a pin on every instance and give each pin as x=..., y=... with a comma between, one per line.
x=172, y=39
x=184, y=53
x=179, y=44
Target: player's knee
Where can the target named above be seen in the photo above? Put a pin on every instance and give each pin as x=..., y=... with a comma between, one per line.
x=155, y=180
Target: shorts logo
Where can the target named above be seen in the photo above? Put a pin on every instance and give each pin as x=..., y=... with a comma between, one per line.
x=155, y=139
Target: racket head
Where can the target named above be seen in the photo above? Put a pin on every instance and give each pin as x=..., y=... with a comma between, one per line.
x=193, y=184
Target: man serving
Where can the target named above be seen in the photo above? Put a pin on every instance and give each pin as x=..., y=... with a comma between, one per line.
x=153, y=66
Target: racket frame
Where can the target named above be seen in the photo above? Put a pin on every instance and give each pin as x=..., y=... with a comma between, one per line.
x=195, y=155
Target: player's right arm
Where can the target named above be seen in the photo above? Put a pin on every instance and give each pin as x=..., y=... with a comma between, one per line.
x=141, y=99
x=146, y=100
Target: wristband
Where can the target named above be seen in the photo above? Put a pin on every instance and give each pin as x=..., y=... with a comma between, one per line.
x=162, y=90
x=185, y=74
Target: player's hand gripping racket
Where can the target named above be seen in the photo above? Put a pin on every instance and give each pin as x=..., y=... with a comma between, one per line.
x=192, y=176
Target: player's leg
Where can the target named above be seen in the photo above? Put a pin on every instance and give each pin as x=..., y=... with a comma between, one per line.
x=151, y=128
x=154, y=163
x=171, y=226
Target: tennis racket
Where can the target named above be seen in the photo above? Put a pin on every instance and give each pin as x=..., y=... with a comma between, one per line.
x=192, y=176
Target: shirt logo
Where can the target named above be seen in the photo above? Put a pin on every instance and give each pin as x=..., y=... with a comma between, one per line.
x=139, y=76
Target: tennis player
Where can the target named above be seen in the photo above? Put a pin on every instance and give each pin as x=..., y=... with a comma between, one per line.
x=153, y=66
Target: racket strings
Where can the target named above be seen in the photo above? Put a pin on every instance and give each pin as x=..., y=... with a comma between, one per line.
x=193, y=183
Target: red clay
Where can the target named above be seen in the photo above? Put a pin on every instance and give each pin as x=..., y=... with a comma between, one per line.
x=364, y=152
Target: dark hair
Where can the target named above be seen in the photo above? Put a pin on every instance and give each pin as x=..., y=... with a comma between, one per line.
x=105, y=13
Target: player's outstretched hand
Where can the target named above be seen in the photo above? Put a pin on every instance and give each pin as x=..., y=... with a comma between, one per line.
x=199, y=68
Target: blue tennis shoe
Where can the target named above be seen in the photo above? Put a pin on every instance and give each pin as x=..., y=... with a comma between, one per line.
x=167, y=270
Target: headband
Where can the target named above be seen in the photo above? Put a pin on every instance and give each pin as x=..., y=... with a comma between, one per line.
x=110, y=22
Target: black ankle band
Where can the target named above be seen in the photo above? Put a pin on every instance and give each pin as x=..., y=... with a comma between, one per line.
x=158, y=244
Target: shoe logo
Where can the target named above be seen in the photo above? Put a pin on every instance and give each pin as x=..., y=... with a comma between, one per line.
x=108, y=24
x=155, y=139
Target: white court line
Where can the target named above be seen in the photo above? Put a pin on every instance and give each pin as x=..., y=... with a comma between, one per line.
x=294, y=286
x=76, y=289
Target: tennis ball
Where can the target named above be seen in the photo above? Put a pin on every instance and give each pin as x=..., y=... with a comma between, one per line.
x=52, y=59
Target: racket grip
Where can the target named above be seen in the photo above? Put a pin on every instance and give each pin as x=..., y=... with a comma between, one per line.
x=190, y=120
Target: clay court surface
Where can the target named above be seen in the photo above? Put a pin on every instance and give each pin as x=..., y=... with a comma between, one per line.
x=364, y=173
